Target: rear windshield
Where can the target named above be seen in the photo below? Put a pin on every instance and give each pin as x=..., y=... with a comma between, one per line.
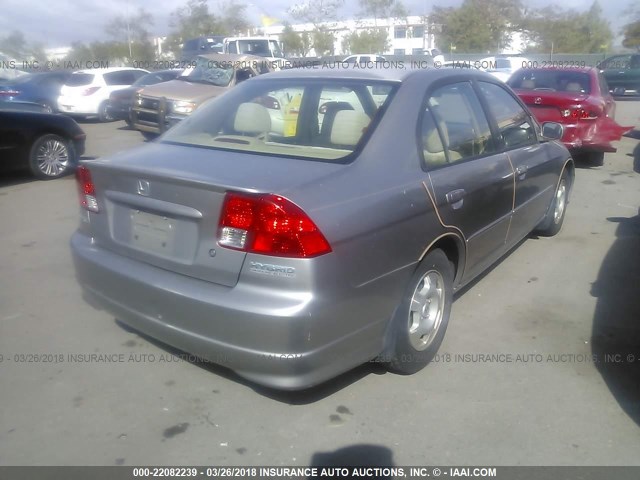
x=324, y=120
x=79, y=79
x=551, y=80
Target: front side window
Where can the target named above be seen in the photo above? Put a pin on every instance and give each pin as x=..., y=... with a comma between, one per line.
x=323, y=120
x=514, y=124
x=454, y=126
x=619, y=62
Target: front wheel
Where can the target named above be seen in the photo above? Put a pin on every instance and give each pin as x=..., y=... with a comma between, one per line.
x=420, y=322
x=552, y=223
x=103, y=113
x=51, y=156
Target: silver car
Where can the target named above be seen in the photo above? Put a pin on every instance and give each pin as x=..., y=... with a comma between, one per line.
x=309, y=221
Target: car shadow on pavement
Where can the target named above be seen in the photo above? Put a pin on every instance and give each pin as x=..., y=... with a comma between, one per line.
x=615, y=340
x=360, y=455
x=16, y=178
x=300, y=397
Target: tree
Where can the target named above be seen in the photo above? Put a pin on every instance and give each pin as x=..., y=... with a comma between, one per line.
x=383, y=9
x=295, y=43
x=322, y=42
x=233, y=19
x=194, y=20
x=14, y=45
x=366, y=41
x=317, y=13
x=567, y=31
x=478, y=26
x=133, y=32
x=632, y=30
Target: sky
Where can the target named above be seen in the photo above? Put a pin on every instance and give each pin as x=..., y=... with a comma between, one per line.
x=61, y=22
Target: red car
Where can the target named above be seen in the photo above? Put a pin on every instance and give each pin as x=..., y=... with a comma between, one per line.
x=579, y=99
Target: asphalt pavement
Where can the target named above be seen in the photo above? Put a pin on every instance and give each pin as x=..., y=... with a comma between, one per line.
x=540, y=365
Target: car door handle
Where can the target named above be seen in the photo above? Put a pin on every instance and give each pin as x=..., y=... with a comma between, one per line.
x=455, y=198
x=521, y=171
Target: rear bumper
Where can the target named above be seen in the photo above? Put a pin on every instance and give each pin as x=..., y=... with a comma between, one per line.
x=589, y=136
x=264, y=335
x=79, y=105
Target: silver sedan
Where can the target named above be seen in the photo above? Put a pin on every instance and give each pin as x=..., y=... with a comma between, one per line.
x=312, y=220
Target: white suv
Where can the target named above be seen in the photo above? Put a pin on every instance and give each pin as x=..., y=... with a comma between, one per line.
x=86, y=92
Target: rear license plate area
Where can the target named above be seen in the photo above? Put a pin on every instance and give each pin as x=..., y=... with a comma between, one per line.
x=152, y=233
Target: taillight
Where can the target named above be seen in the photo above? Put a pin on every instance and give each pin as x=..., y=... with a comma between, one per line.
x=579, y=113
x=9, y=93
x=86, y=190
x=270, y=225
x=89, y=91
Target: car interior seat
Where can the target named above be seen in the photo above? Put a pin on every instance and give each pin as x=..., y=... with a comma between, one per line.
x=252, y=119
x=528, y=84
x=348, y=128
x=332, y=108
x=574, y=87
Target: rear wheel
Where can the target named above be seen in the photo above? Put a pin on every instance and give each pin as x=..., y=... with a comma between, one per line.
x=591, y=159
x=51, y=157
x=103, y=113
x=149, y=135
x=420, y=322
x=552, y=223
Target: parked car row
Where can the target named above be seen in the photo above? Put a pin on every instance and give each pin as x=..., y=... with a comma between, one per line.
x=578, y=98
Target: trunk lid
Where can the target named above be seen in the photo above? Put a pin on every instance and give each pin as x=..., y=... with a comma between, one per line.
x=161, y=203
x=546, y=106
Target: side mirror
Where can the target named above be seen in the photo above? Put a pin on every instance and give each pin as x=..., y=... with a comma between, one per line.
x=552, y=130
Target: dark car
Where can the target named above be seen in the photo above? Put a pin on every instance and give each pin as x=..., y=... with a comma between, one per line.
x=41, y=88
x=121, y=101
x=202, y=45
x=622, y=73
x=48, y=144
x=579, y=99
x=293, y=255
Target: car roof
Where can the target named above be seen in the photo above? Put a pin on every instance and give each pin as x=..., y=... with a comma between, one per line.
x=232, y=57
x=108, y=70
x=373, y=74
x=562, y=69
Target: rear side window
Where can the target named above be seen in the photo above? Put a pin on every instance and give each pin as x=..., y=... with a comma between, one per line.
x=124, y=77
x=455, y=113
x=80, y=79
x=514, y=124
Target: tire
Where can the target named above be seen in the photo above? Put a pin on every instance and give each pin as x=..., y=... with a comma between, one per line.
x=554, y=219
x=420, y=321
x=48, y=107
x=51, y=156
x=103, y=113
x=149, y=135
x=591, y=159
